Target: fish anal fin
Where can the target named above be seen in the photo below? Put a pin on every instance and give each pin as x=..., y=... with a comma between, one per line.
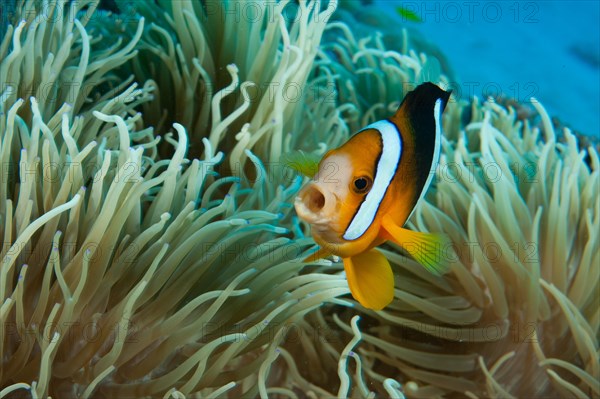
x=425, y=248
x=370, y=279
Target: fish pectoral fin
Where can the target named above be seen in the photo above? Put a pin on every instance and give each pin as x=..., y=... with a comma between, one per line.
x=425, y=248
x=305, y=163
x=370, y=279
x=318, y=254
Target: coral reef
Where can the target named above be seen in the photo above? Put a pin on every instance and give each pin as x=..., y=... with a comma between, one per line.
x=150, y=248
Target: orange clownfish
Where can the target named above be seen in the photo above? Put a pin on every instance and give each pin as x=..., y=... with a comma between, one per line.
x=364, y=191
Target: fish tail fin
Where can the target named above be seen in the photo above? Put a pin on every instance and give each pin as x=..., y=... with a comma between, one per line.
x=370, y=279
x=425, y=248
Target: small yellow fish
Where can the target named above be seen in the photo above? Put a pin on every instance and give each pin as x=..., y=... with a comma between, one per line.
x=408, y=15
x=365, y=190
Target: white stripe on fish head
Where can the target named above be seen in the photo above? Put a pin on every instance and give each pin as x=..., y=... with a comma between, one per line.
x=391, y=150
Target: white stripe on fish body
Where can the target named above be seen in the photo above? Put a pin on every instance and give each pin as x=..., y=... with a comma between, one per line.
x=391, y=150
x=437, y=113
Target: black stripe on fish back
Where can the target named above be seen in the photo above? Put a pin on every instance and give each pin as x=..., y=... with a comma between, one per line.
x=419, y=107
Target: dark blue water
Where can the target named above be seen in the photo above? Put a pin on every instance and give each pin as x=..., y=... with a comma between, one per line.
x=548, y=49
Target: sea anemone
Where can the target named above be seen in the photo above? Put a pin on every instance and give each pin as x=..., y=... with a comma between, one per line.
x=517, y=315
x=121, y=271
x=139, y=265
x=520, y=209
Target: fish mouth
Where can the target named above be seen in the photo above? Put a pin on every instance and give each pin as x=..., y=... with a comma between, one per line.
x=320, y=208
x=315, y=205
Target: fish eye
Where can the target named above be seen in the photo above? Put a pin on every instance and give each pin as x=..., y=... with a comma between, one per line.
x=362, y=184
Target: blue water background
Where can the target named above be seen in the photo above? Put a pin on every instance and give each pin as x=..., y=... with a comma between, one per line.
x=548, y=49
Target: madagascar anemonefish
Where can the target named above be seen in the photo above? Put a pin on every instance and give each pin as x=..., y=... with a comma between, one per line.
x=364, y=191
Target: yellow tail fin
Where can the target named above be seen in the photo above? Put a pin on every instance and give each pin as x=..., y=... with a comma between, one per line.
x=425, y=248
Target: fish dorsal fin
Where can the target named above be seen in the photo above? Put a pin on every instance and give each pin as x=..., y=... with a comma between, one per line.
x=419, y=116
